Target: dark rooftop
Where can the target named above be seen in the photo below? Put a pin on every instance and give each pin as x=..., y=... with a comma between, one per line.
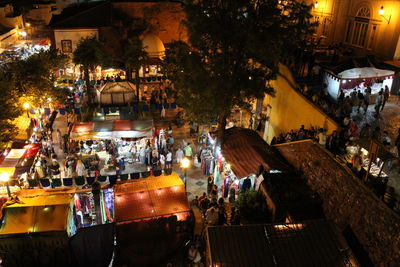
x=292, y=197
x=90, y=15
x=312, y=243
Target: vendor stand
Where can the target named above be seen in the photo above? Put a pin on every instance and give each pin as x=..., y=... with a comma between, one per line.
x=358, y=78
x=241, y=158
x=374, y=157
x=126, y=138
x=18, y=163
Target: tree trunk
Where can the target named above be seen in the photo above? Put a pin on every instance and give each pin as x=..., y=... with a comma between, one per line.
x=129, y=73
x=137, y=84
x=221, y=126
x=88, y=85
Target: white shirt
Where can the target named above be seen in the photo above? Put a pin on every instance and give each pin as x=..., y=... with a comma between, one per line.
x=322, y=139
x=169, y=156
x=179, y=155
x=162, y=159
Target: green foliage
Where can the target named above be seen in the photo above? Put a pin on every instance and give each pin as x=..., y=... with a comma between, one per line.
x=133, y=53
x=235, y=48
x=90, y=53
x=33, y=77
x=252, y=207
x=27, y=80
x=9, y=108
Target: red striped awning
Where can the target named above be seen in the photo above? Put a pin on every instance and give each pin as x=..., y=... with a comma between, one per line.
x=245, y=151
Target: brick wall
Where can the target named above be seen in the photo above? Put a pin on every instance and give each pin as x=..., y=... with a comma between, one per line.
x=347, y=201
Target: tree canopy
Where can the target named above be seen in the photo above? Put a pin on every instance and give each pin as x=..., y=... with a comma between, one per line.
x=27, y=80
x=90, y=53
x=234, y=49
x=34, y=77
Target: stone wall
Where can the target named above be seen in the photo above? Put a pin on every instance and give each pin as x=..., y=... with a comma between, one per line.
x=347, y=201
x=165, y=18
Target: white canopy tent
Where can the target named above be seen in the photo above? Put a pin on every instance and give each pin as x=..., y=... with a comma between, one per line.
x=116, y=93
x=360, y=78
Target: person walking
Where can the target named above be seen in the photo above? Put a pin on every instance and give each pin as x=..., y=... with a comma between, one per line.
x=188, y=151
x=378, y=103
x=360, y=97
x=322, y=137
x=168, y=160
x=179, y=155
x=385, y=96
x=210, y=184
x=367, y=97
x=163, y=112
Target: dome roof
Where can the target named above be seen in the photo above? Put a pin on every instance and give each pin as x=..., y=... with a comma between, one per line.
x=153, y=46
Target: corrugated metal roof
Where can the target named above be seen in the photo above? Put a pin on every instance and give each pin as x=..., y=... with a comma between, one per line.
x=149, y=198
x=245, y=151
x=310, y=243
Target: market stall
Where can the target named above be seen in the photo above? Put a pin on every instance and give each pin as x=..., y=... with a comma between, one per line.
x=116, y=93
x=114, y=141
x=112, y=129
x=373, y=155
x=19, y=161
x=36, y=225
x=358, y=78
x=153, y=219
x=240, y=159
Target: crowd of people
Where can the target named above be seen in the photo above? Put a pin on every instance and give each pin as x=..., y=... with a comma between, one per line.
x=337, y=141
x=358, y=98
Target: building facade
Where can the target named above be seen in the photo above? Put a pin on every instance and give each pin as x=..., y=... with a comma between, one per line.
x=365, y=26
x=164, y=20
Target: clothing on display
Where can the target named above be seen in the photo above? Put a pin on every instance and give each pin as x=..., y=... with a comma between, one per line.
x=207, y=162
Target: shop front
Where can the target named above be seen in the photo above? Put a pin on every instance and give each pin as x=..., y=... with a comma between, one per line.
x=241, y=160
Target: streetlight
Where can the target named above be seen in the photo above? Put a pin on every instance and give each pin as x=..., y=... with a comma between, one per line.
x=185, y=163
x=26, y=106
x=5, y=177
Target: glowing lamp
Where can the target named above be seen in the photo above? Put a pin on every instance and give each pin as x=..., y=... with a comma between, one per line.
x=381, y=11
x=26, y=105
x=185, y=163
x=4, y=177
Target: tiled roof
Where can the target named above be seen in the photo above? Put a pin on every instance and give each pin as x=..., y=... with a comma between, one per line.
x=245, y=150
x=310, y=243
x=150, y=198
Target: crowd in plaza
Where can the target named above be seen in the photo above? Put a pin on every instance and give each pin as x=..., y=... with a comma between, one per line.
x=358, y=98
